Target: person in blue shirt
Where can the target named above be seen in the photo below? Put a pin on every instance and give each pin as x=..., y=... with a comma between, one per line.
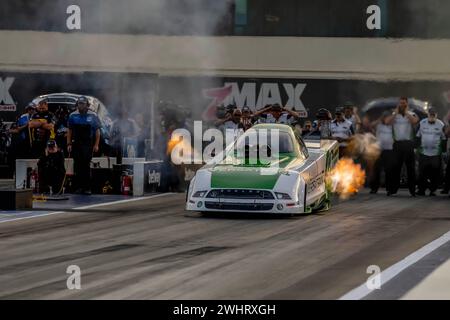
x=83, y=139
x=21, y=129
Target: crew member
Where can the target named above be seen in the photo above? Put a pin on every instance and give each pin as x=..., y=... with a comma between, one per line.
x=83, y=138
x=247, y=118
x=51, y=169
x=384, y=134
x=231, y=122
x=224, y=114
x=320, y=128
x=432, y=139
x=125, y=133
x=307, y=128
x=446, y=188
x=351, y=115
x=403, y=122
x=277, y=114
x=341, y=130
x=22, y=130
x=62, y=116
x=42, y=127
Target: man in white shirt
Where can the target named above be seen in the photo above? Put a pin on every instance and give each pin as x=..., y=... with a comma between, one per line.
x=277, y=114
x=385, y=162
x=341, y=130
x=231, y=124
x=403, y=122
x=432, y=138
x=351, y=115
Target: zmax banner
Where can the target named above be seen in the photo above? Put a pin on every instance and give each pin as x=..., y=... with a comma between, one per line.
x=200, y=94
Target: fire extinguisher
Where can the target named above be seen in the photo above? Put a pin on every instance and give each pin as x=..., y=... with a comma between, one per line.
x=126, y=184
x=34, y=181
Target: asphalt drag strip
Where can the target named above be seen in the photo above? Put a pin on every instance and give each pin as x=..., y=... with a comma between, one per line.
x=154, y=249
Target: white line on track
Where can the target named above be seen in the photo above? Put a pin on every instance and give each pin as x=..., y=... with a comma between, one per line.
x=90, y=206
x=124, y=201
x=391, y=272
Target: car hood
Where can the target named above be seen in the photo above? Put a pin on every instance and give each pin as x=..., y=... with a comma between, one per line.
x=241, y=176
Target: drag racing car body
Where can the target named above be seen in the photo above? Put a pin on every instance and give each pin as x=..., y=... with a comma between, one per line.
x=292, y=182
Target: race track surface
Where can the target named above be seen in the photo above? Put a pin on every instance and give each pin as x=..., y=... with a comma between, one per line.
x=153, y=249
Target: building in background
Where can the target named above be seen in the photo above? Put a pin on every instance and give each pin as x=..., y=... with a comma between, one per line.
x=199, y=52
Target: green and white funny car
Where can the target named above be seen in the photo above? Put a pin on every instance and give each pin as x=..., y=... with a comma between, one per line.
x=293, y=181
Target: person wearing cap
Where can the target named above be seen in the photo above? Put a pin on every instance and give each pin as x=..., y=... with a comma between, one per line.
x=83, y=139
x=341, y=130
x=385, y=162
x=232, y=122
x=51, y=169
x=307, y=128
x=278, y=114
x=403, y=123
x=21, y=129
x=224, y=114
x=351, y=115
x=320, y=128
x=432, y=139
x=42, y=128
x=247, y=118
x=260, y=115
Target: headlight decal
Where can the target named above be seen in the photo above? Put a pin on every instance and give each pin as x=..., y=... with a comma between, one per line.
x=199, y=194
x=282, y=196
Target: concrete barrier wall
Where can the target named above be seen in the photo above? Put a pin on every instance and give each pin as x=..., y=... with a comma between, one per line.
x=103, y=162
x=340, y=58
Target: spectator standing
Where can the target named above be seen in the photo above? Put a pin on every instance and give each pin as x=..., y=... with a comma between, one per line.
x=432, y=139
x=341, y=130
x=42, y=127
x=403, y=122
x=385, y=137
x=83, y=138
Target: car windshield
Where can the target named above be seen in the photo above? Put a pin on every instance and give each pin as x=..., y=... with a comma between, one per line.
x=253, y=139
x=261, y=143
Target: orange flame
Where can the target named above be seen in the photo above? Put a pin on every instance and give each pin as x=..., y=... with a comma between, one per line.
x=346, y=178
x=174, y=140
x=186, y=151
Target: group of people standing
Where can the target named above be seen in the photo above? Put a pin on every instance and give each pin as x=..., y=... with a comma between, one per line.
x=401, y=135
x=36, y=131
